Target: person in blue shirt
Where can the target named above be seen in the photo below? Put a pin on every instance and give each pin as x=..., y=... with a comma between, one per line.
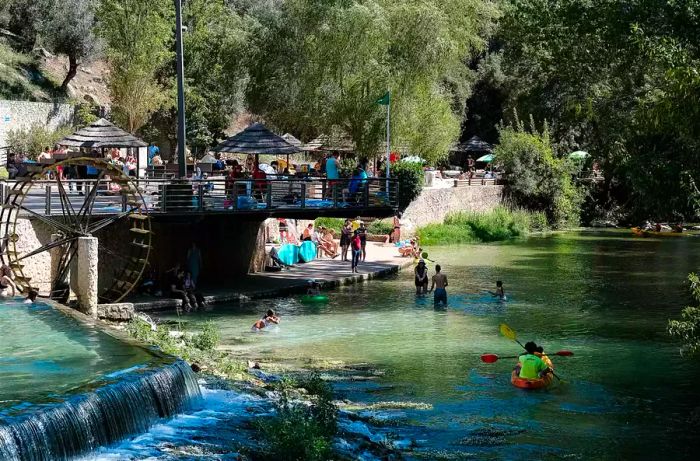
x=153, y=150
x=357, y=182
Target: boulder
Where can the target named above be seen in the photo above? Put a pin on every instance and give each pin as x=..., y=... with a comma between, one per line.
x=92, y=99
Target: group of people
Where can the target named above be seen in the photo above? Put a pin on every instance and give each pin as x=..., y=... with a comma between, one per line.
x=534, y=363
x=353, y=236
x=438, y=286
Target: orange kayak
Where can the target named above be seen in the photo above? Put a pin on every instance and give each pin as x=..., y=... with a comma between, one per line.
x=524, y=383
x=647, y=233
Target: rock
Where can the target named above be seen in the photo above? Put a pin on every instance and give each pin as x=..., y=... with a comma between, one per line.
x=86, y=70
x=92, y=99
x=196, y=368
x=71, y=91
x=116, y=312
x=43, y=52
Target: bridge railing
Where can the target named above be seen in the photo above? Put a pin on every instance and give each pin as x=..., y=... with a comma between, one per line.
x=213, y=195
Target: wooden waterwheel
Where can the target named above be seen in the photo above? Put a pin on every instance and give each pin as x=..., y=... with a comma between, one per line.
x=107, y=205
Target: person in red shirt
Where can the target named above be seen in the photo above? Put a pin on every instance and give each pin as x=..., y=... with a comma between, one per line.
x=260, y=178
x=356, y=246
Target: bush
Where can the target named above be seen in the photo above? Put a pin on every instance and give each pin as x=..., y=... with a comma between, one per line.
x=380, y=227
x=411, y=178
x=330, y=223
x=536, y=179
x=208, y=338
x=300, y=431
x=32, y=141
x=496, y=225
x=688, y=328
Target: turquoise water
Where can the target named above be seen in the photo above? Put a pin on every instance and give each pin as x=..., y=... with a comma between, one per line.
x=46, y=357
x=627, y=393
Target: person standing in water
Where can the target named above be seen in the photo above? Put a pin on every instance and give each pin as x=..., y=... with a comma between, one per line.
x=194, y=262
x=266, y=320
x=500, y=292
x=440, y=287
x=421, y=273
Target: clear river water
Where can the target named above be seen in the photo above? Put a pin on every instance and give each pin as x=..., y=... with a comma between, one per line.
x=626, y=393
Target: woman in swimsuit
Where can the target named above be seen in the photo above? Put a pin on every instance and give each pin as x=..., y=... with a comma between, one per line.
x=266, y=320
x=421, y=273
x=6, y=282
x=395, y=236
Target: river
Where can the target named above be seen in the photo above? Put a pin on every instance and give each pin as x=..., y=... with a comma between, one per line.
x=626, y=393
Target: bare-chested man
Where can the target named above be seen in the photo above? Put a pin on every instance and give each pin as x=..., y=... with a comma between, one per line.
x=439, y=285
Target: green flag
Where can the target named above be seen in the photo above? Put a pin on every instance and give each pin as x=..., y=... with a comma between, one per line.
x=385, y=100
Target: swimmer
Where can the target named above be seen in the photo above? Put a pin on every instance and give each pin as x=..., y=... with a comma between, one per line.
x=6, y=282
x=500, y=293
x=314, y=288
x=266, y=320
x=31, y=297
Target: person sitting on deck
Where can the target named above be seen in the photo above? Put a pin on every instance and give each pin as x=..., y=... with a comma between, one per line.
x=195, y=298
x=275, y=258
x=266, y=320
x=530, y=366
x=6, y=281
x=328, y=244
x=408, y=250
x=306, y=236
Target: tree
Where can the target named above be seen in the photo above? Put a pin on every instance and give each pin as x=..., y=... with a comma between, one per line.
x=25, y=20
x=321, y=65
x=687, y=329
x=139, y=39
x=537, y=179
x=68, y=29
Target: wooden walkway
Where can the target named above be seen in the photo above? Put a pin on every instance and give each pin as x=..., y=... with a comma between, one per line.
x=382, y=260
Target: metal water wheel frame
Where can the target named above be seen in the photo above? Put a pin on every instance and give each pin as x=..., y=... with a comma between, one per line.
x=74, y=224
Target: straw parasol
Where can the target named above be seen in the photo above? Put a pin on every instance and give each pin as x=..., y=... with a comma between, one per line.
x=99, y=135
x=256, y=139
x=474, y=144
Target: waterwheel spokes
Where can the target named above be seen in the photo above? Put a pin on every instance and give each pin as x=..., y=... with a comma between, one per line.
x=66, y=205
x=85, y=212
x=47, y=247
x=104, y=222
x=48, y=220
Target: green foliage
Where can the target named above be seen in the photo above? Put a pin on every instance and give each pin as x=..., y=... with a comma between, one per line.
x=85, y=114
x=32, y=141
x=301, y=432
x=139, y=36
x=68, y=29
x=4, y=174
x=537, y=180
x=411, y=178
x=208, y=338
x=317, y=66
x=21, y=77
x=493, y=226
x=330, y=223
x=687, y=329
x=380, y=227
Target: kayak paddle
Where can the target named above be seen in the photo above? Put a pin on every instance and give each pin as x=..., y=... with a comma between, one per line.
x=509, y=333
x=492, y=358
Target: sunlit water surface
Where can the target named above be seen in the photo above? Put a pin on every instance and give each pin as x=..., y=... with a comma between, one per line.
x=627, y=393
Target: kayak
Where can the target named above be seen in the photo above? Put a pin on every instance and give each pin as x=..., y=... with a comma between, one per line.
x=314, y=299
x=307, y=251
x=289, y=254
x=524, y=383
x=647, y=233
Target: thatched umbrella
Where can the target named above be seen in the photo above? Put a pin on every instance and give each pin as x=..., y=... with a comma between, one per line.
x=291, y=139
x=474, y=144
x=101, y=134
x=257, y=139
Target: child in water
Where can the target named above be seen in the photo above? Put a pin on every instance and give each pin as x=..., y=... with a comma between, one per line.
x=31, y=297
x=500, y=293
x=266, y=320
x=314, y=288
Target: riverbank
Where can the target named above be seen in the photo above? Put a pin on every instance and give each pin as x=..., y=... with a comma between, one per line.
x=382, y=260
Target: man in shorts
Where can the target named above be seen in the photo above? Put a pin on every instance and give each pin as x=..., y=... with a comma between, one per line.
x=440, y=287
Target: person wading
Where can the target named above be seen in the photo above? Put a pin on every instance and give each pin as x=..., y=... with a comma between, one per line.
x=440, y=287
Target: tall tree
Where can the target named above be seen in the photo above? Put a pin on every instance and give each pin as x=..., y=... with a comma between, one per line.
x=68, y=29
x=139, y=39
x=320, y=65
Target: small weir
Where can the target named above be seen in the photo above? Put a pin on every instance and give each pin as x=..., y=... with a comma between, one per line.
x=101, y=417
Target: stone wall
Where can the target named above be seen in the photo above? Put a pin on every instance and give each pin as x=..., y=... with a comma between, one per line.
x=434, y=204
x=23, y=114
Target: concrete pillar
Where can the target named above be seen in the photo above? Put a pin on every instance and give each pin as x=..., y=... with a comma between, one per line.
x=86, y=286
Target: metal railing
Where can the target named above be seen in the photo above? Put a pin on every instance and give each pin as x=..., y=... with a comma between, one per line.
x=213, y=195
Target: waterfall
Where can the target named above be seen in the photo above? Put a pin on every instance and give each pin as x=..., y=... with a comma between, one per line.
x=101, y=417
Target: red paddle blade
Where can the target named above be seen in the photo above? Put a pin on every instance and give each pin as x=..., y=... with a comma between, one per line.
x=564, y=353
x=489, y=358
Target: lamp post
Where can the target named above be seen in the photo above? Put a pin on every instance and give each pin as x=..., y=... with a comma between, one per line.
x=181, y=141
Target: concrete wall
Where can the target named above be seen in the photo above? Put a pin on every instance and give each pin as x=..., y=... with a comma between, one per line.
x=434, y=204
x=23, y=114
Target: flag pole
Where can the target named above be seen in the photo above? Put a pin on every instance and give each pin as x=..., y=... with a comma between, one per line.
x=388, y=143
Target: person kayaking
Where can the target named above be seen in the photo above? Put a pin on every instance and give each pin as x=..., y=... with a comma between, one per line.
x=440, y=287
x=421, y=273
x=266, y=320
x=500, y=292
x=540, y=353
x=530, y=366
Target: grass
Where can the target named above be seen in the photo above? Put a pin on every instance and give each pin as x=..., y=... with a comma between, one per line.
x=330, y=223
x=493, y=226
x=22, y=79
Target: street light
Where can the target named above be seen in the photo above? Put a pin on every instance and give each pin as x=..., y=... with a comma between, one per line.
x=181, y=157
